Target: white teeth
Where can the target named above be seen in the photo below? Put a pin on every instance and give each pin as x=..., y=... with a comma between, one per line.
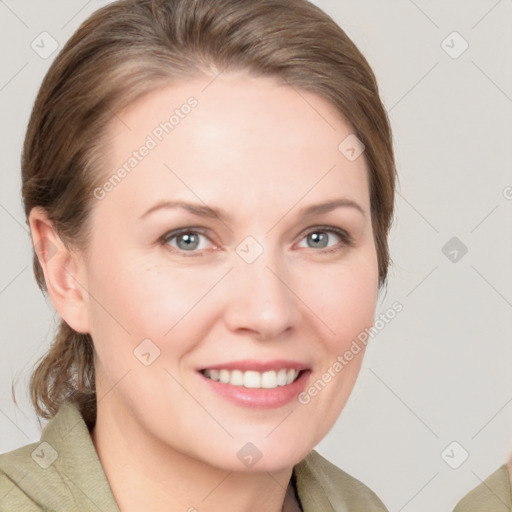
x=269, y=380
x=282, y=377
x=253, y=379
x=237, y=378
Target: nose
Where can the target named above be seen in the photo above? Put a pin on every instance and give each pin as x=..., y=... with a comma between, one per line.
x=261, y=299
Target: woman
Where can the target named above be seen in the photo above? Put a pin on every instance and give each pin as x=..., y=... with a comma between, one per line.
x=209, y=188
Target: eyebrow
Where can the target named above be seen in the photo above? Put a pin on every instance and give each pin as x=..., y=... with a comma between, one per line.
x=215, y=212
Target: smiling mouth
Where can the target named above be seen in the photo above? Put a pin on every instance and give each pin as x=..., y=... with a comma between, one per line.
x=254, y=379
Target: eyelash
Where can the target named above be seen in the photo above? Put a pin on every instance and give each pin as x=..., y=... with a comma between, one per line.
x=346, y=239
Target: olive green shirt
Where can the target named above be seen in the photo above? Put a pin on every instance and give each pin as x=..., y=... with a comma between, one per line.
x=63, y=473
x=492, y=495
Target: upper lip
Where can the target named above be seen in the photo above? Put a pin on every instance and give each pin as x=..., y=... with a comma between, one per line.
x=258, y=366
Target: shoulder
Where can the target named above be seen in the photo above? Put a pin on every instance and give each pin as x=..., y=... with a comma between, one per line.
x=319, y=479
x=36, y=476
x=16, y=472
x=492, y=495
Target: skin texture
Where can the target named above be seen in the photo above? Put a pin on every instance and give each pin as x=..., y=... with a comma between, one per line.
x=261, y=151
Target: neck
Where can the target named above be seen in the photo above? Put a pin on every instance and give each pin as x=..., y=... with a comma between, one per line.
x=145, y=474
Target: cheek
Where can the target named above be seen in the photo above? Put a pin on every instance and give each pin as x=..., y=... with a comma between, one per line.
x=344, y=300
x=168, y=305
x=164, y=297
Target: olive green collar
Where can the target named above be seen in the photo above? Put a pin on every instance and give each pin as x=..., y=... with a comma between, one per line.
x=494, y=494
x=63, y=473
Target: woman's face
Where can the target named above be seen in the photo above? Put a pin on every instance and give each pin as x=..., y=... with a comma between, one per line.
x=250, y=295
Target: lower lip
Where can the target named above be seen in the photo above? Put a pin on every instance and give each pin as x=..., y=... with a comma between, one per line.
x=256, y=397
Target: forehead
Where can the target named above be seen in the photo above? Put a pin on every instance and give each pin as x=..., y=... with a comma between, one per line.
x=234, y=133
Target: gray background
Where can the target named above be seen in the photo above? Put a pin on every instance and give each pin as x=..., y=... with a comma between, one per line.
x=440, y=371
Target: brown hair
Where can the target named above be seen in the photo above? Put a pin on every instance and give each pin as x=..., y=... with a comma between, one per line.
x=131, y=47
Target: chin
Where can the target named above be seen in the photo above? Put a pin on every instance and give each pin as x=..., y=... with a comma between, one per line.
x=262, y=456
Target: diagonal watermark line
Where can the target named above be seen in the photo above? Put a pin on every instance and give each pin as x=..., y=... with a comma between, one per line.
x=297, y=91
x=507, y=508
x=13, y=77
x=200, y=404
x=488, y=215
x=492, y=81
x=493, y=287
x=13, y=13
x=413, y=87
x=14, y=218
x=332, y=332
x=288, y=490
x=98, y=400
x=13, y=279
x=300, y=199
x=419, y=418
x=424, y=13
x=75, y=15
x=280, y=423
x=15, y=484
x=485, y=15
x=424, y=279
x=416, y=494
x=419, y=213
x=230, y=230
x=214, y=78
x=199, y=300
x=67, y=477
x=501, y=409
x=100, y=304
x=14, y=424
x=217, y=486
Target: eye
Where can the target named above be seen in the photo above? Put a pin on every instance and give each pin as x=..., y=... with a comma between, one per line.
x=319, y=238
x=187, y=240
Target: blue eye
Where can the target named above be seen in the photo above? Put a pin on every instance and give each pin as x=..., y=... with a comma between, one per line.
x=188, y=240
x=319, y=237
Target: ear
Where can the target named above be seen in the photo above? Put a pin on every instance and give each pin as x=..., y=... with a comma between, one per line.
x=63, y=269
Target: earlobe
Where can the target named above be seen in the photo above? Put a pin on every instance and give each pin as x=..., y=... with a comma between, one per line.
x=62, y=269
